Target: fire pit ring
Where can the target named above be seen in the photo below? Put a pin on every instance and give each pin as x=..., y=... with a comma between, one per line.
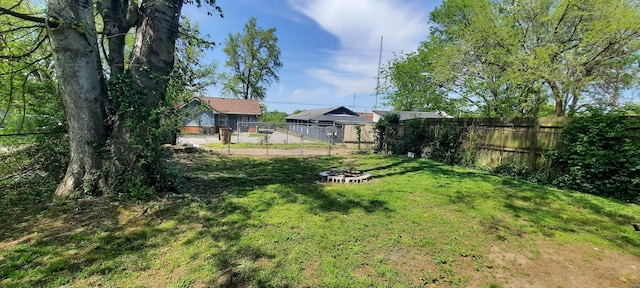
x=344, y=176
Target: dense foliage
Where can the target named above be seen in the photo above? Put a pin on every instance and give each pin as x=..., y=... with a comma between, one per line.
x=600, y=154
x=30, y=174
x=499, y=58
x=273, y=116
x=444, y=143
x=386, y=131
x=254, y=59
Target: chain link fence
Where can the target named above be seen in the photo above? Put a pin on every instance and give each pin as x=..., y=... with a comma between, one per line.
x=269, y=138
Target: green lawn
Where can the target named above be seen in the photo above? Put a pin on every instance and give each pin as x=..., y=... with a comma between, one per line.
x=246, y=145
x=266, y=222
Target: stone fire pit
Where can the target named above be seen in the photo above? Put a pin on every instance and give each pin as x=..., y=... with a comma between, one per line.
x=344, y=176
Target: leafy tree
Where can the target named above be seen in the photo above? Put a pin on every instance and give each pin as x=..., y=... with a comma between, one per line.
x=631, y=108
x=114, y=119
x=410, y=85
x=509, y=58
x=297, y=111
x=273, y=116
x=29, y=103
x=190, y=76
x=254, y=60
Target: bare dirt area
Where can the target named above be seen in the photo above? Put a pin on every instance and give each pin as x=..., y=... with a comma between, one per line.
x=550, y=264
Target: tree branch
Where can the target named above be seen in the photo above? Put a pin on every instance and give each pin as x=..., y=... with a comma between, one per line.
x=20, y=28
x=28, y=65
x=22, y=16
x=14, y=57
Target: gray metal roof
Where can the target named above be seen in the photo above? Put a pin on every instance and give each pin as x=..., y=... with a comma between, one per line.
x=312, y=114
x=342, y=119
x=406, y=115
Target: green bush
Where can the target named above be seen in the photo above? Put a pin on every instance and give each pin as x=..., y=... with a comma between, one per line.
x=414, y=140
x=600, y=154
x=445, y=144
x=386, y=131
x=524, y=172
x=30, y=174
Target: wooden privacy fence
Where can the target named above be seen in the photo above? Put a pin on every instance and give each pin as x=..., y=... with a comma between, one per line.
x=367, y=135
x=493, y=141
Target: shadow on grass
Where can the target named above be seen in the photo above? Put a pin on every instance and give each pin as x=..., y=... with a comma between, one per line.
x=296, y=177
x=102, y=240
x=572, y=212
x=81, y=242
x=541, y=208
x=97, y=239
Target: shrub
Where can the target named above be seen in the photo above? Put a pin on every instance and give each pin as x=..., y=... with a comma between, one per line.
x=600, y=154
x=30, y=174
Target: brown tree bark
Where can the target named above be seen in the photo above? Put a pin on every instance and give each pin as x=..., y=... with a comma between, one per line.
x=82, y=87
x=84, y=93
x=154, y=48
x=151, y=63
x=558, y=96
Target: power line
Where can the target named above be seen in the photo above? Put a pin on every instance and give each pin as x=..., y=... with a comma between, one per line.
x=309, y=104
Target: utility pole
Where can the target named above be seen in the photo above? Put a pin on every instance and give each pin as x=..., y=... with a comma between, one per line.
x=378, y=77
x=353, y=106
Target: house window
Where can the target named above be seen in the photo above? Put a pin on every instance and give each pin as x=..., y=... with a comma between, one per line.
x=245, y=121
x=222, y=120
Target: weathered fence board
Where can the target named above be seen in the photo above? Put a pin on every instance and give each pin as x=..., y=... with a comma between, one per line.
x=525, y=141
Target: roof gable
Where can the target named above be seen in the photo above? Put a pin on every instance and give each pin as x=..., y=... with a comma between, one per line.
x=315, y=113
x=232, y=106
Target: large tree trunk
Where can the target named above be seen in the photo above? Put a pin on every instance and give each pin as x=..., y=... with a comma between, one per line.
x=84, y=92
x=154, y=49
x=82, y=88
x=558, y=97
x=151, y=64
x=119, y=16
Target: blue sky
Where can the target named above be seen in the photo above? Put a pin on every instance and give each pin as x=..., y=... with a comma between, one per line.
x=330, y=48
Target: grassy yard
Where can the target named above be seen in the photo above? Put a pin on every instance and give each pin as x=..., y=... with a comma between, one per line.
x=247, y=145
x=266, y=222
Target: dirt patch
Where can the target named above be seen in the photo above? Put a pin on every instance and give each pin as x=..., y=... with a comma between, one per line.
x=413, y=265
x=549, y=264
x=539, y=264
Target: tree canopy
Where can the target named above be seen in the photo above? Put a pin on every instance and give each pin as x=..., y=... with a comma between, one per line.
x=511, y=58
x=29, y=101
x=254, y=59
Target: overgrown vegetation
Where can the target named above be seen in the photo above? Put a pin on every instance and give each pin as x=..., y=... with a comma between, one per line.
x=600, y=154
x=147, y=128
x=386, y=131
x=29, y=174
x=446, y=143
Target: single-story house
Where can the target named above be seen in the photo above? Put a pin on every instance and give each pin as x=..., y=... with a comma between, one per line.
x=207, y=114
x=322, y=122
x=408, y=115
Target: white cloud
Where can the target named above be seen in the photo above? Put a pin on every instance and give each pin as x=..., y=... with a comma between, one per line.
x=310, y=95
x=358, y=24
